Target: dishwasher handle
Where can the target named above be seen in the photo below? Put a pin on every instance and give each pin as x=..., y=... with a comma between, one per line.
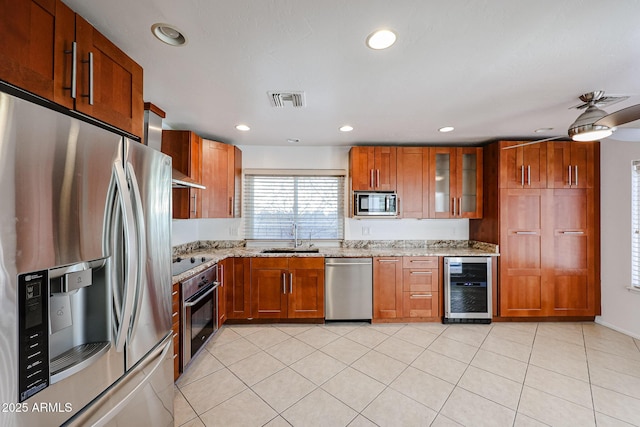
x=347, y=263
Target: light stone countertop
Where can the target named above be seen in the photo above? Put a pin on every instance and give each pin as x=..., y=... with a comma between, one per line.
x=218, y=255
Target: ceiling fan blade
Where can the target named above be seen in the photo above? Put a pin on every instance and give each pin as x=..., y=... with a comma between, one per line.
x=534, y=142
x=626, y=134
x=620, y=117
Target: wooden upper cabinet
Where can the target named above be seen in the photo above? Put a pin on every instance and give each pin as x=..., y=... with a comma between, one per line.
x=524, y=166
x=455, y=182
x=373, y=168
x=571, y=164
x=221, y=174
x=108, y=78
x=27, y=50
x=185, y=148
x=37, y=55
x=413, y=181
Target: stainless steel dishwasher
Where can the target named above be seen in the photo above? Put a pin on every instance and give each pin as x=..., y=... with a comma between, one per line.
x=348, y=288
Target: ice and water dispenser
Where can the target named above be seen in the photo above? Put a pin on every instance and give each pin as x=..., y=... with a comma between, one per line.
x=64, y=323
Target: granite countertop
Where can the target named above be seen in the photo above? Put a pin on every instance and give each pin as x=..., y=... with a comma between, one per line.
x=217, y=253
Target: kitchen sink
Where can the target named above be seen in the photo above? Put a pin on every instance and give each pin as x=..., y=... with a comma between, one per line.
x=290, y=251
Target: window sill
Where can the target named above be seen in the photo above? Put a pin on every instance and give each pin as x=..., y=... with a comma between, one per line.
x=633, y=289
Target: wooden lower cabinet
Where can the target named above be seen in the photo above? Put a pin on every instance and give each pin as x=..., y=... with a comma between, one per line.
x=548, y=257
x=238, y=286
x=406, y=288
x=285, y=288
x=387, y=287
x=225, y=278
x=175, y=327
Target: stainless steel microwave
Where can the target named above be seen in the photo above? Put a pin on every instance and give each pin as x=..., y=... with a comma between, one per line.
x=380, y=203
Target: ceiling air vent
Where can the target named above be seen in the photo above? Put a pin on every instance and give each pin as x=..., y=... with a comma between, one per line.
x=280, y=99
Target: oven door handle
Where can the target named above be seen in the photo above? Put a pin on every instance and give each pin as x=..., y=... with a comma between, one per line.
x=203, y=296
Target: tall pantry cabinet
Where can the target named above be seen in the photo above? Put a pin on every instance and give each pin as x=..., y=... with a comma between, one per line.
x=541, y=206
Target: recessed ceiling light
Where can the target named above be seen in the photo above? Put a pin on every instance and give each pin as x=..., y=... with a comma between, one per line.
x=168, y=34
x=540, y=130
x=243, y=128
x=446, y=129
x=381, y=39
x=346, y=128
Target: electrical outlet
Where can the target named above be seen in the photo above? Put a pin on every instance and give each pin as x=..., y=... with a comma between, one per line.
x=366, y=231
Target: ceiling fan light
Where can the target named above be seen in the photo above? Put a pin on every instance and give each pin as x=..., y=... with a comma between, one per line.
x=583, y=129
x=595, y=134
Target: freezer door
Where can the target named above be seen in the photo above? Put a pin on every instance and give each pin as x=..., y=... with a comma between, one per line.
x=149, y=176
x=142, y=398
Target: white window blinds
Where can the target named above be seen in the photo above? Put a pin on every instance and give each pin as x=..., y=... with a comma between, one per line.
x=635, y=224
x=273, y=203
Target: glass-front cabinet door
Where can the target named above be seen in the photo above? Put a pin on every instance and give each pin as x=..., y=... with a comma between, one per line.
x=456, y=182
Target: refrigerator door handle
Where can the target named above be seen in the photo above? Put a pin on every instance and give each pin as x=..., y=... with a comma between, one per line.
x=130, y=246
x=138, y=213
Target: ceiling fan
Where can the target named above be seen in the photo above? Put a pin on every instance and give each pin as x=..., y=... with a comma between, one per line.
x=595, y=124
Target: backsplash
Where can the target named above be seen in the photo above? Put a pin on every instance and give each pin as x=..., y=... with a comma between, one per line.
x=200, y=245
x=410, y=244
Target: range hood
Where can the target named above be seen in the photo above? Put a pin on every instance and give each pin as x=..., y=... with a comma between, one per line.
x=153, y=138
x=180, y=180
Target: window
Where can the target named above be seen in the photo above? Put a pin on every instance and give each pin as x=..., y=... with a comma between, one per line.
x=274, y=203
x=635, y=224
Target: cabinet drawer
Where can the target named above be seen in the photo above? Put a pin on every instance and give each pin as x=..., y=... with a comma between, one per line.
x=315, y=263
x=414, y=280
x=176, y=367
x=176, y=342
x=270, y=262
x=420, y=262
x=420, y=304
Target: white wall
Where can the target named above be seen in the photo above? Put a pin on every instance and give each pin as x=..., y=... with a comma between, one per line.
x=317, y=157
x=620, y=307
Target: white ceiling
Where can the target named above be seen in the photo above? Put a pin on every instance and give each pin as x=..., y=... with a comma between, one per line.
x=491, y=68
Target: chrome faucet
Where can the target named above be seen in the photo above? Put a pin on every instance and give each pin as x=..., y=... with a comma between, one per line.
x=295, y=236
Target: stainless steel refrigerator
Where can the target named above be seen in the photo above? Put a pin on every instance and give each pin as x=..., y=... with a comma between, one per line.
x=85, y=281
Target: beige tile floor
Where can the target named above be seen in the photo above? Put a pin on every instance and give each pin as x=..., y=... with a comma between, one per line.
x=427, y=374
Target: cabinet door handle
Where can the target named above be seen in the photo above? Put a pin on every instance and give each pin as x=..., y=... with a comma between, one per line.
x=230, y=206
x=90, y=62
x=459, y=206
x=522, y=175
x=74, y=69
x=526, y=232
x=371, y=183
x=576, y=175
x=290, y=283
x=421, y=296
x=420, y=272
x=195, y=204
x=387, y=260
x=174, y=293
x=570, y=176
x=284, y=283
x=573, y=232
x=377, y=177
x=453, y=210
x=529, y=175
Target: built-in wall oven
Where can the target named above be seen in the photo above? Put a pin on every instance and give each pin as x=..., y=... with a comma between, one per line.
x=199, y=311
x=467, y=290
